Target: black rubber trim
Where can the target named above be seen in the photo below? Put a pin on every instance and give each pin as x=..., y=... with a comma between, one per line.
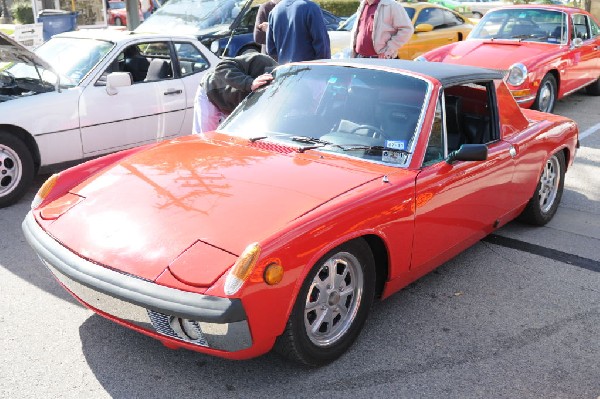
x=129, y=288
x=564, y=257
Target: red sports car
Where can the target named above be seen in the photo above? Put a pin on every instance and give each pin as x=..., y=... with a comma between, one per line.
x=339, y=183
x=547, y=52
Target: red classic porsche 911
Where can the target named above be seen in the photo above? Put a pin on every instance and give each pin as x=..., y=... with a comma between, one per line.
x=339, y=183
x=547, y=52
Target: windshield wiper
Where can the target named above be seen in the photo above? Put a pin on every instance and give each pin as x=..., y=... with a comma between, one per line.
x=316, y=142
x=381, y=148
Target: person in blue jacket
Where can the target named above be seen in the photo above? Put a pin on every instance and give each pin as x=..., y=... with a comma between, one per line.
x=297, y=32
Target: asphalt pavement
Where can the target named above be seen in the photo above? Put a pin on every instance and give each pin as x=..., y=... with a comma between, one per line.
x=514, y=316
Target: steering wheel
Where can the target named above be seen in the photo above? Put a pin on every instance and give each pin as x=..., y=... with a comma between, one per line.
x=377, y=132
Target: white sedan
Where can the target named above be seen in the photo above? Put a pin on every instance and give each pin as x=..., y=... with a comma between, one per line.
x=87, y=93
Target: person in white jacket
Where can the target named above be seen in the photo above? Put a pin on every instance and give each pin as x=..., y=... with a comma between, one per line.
x=382, y=27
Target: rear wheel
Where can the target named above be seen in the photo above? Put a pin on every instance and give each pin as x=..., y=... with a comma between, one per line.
x=544, y=203
x=118, y=22
x=594, y=88
x=546, y=96
x=331, y=307
x=477, y=14
x=16, y=169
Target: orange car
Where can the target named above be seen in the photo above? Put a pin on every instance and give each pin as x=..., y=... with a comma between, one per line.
x=435, y=26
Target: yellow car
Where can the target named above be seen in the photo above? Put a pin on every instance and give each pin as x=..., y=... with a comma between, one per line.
x=435, y=26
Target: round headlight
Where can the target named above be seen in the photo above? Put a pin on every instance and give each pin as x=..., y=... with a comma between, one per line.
x=420, y=58
x=517, y=74
x=214, y=46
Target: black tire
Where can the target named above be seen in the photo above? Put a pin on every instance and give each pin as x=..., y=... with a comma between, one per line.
x=546, y=96
x=16, y=169
x=594, y=88
x=477, y=14
x=329, y=339
x=118, y=22
x=543, y=205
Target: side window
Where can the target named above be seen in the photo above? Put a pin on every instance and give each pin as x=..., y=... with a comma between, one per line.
x=435, y=146
x=450, y=19
x=432, y=16
x=594, y=28
x=146, y=62
x=190, y=59
x=580, y=27
x=468, y=115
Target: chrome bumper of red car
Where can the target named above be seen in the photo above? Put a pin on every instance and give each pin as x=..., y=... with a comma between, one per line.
x=214, y=322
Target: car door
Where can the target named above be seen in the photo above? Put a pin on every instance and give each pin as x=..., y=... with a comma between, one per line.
x=192, y=64
x=585, y=58
x=458, y=203
x=152, y=108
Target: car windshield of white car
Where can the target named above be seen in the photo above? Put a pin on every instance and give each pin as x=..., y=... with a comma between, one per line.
x=358, y=112
x=536, y=25
x=72, y=58
x=192, y=16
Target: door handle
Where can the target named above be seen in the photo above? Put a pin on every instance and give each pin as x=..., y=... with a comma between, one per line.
x=172, y=91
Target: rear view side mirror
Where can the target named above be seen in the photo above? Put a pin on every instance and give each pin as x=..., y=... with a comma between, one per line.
x=468, y=152
x=577, y=42
x=423, y=28
x=115, y=80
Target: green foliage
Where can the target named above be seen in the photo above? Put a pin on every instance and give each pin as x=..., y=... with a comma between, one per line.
x=22, y=12
x=342, y=8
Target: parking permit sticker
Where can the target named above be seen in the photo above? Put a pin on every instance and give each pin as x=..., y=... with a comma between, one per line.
x=396, y=157
x=396, y=144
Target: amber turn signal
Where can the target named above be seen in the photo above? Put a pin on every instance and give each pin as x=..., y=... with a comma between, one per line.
x=44, y=191
x=273, y=274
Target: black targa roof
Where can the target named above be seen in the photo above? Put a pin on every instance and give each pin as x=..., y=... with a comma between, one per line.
x=447, y=74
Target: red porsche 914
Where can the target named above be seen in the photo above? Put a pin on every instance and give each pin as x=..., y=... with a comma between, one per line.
x=336, y=185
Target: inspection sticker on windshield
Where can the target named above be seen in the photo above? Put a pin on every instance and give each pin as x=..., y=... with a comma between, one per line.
x=397, y=157
x=396, y=144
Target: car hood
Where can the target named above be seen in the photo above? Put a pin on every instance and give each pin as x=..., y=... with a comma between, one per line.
x=12, y=51
x=192, y=196
x=499, y=54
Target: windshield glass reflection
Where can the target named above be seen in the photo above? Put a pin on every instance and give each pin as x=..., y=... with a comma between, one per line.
x=534, y=25
x=358, y=112
x=192, y=16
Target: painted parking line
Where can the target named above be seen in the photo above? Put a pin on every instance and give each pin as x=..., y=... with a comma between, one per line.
x=564, y=257
x=589, y=131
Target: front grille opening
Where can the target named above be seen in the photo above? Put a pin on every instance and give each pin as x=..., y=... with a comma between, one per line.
x=177, y=327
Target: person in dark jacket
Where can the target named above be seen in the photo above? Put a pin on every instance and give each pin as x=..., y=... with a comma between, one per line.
x=221, y=90
x=297, y=32
x=262, y=23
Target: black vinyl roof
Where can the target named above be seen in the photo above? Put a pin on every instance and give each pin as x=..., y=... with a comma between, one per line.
x=447, y=74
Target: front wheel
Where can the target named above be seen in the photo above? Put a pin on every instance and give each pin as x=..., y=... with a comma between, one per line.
x=16, y=169
x=331, y=307
x=546, y=96
x=544, y=203
x=594, y=88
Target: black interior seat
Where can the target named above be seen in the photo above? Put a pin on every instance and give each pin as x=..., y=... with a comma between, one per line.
x=454, y=126
x=158, y=69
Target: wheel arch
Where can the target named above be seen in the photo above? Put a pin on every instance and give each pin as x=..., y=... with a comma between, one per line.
x=380, y=255
x=27, y=139
x=556, y=75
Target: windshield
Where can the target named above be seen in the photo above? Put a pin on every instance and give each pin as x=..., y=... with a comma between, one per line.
x=359, y=112
x=537, y=25
x=192, y=16
x=348, y=24
x=71, y=58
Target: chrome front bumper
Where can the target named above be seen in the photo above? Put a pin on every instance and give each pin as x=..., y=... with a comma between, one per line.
x=208, y=321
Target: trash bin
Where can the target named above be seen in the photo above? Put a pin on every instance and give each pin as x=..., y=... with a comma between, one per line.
x=57, y=21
